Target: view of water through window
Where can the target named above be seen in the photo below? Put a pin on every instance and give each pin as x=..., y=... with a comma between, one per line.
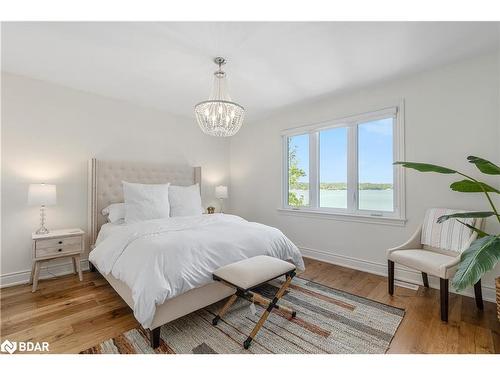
x=333, y=168
x=380, y=200
x=375, y=169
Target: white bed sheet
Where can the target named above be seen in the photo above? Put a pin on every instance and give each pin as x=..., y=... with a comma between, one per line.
x=161, y=259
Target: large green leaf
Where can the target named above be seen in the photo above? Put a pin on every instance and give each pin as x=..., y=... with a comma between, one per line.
x=476, y=214
x=479, y=258
x=423, y=167
x=468, y=186
x=484, y=165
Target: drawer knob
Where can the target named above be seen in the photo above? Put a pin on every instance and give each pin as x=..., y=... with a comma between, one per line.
x=59, y=249
x=60, y=242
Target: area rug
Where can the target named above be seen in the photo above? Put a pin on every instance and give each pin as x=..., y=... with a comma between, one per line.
x=328, y=321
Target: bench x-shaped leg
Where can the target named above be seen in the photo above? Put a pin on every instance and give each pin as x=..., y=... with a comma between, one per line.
x=270, y=307
x=224, y=309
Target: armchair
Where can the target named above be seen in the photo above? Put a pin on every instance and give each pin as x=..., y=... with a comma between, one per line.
x=435, y=249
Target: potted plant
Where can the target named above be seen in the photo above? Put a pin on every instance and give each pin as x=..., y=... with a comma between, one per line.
x=484, y=253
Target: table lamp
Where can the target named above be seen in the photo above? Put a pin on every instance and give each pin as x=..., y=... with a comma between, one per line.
x=42, y=195
x=221, y=193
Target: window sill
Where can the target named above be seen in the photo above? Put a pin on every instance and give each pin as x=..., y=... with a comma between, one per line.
x=304, y=212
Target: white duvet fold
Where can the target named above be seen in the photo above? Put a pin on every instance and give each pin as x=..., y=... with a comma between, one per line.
x=161, y=259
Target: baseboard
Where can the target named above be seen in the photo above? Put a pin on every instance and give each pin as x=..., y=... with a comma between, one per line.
x=406, y=275
x=46, y=272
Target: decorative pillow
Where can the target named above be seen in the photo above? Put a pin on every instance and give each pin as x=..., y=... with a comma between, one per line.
x=114, y=212
x=145, y=201
x=185, y=200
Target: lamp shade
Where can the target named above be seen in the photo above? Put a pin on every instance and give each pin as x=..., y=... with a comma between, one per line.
x=41, y=195
x=221, y=192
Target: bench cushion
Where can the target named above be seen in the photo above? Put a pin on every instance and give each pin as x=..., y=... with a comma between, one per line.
x=251, y=272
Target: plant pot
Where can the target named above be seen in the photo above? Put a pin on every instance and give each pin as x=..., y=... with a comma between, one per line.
x=498, y=297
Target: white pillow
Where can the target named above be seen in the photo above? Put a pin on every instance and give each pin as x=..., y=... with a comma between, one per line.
x=114, y=212
x=145, y=202
x=185, y=200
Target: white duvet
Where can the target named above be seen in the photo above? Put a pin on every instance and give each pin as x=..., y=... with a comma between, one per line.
x=161, y=259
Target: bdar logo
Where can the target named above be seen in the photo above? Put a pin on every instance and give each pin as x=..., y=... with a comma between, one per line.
x=8, y=346
x=24, y=346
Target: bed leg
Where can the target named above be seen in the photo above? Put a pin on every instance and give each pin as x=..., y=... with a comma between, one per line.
x=92, y=267
x=154, y=337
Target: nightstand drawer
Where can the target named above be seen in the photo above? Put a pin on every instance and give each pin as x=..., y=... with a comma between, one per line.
x=59, y=242
x=58, y=246
x=55, y=251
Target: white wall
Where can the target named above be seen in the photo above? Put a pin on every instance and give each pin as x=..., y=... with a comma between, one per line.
x=451, y=112
x=48, y=134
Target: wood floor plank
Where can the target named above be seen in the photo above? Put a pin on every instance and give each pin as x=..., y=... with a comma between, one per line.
x=73, y=316
x=475, y=339
x=495, y=336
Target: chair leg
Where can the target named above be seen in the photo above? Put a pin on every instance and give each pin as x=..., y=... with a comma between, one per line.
x=391, y=276
x=154, y=337
x=444, y=299
x=425, y=279
x=479, y=295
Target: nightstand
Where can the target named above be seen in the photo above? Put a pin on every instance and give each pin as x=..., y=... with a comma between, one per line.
x=56, y=244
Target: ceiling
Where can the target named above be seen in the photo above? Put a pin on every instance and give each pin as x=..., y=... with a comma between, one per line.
x=168, y=65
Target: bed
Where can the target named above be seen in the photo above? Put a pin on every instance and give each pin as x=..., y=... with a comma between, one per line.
x=160, y=238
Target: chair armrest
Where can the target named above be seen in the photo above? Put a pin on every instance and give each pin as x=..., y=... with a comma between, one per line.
x=412, y=243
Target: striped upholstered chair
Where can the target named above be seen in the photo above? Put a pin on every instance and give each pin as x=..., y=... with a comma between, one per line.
x=435, y=249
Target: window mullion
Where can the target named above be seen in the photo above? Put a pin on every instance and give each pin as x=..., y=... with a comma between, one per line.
x=284, y=172
x=352, y=168
x=314, y=169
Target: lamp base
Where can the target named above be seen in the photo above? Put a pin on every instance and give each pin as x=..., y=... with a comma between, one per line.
x=42, y=230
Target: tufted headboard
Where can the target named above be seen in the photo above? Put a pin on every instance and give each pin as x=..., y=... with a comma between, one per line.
x=105, y=183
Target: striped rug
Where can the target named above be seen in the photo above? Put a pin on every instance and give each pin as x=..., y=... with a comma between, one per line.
x=328, y=321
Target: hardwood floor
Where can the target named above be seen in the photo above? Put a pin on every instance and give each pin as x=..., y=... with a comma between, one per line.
x=73, y=315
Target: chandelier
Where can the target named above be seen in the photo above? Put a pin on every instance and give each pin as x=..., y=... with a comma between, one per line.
x=219, y=116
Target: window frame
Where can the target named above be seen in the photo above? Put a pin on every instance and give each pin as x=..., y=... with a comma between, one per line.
x=352, y=212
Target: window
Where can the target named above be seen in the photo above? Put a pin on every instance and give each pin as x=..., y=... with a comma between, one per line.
x=375, y=169
x=333, y=168
x=345, y=167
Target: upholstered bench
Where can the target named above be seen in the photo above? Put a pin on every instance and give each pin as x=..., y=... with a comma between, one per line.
x=250, y=273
